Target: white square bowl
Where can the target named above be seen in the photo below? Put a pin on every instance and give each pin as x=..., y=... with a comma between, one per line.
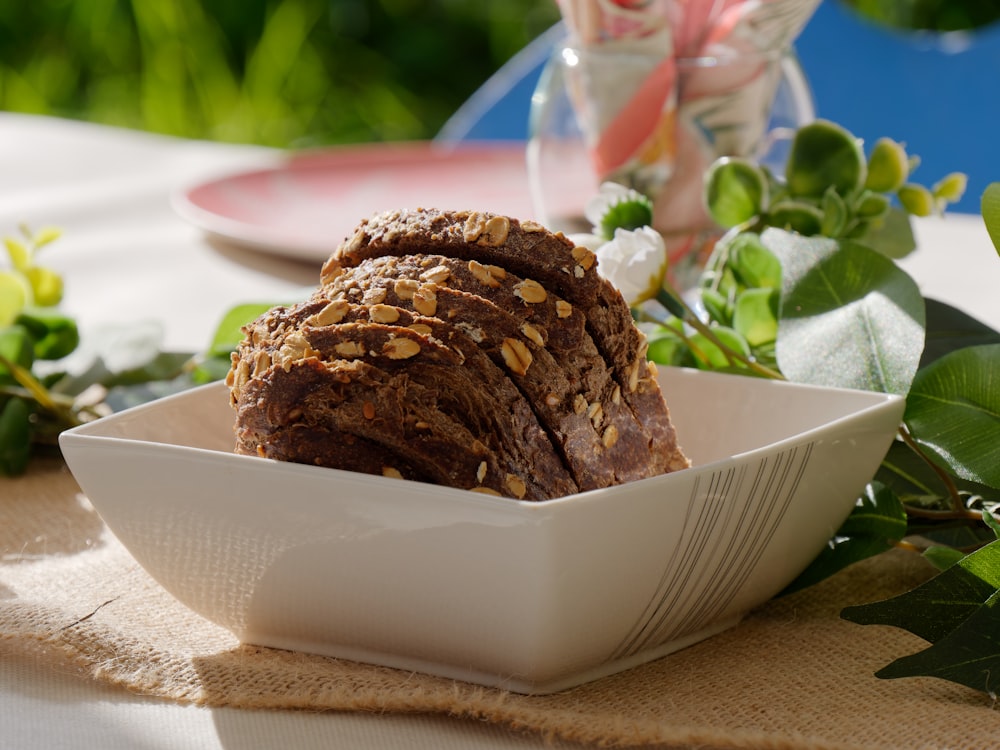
x=531, y=597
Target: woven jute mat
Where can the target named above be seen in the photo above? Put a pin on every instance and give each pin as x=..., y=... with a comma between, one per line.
x=791, y=675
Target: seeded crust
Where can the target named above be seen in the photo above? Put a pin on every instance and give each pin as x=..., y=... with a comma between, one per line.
x=409, y=392
x=529, y=251
x=575, y=396
x=459, y=348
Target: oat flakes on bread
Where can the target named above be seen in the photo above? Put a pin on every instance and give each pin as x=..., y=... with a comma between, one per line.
x=461, y=348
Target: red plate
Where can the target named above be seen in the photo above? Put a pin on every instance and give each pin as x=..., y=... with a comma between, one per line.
x=305, y=207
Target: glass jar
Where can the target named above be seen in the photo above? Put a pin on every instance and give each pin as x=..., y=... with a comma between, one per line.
x=656, y=125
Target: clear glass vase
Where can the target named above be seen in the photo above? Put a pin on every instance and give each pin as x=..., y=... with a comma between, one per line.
x=695, y=110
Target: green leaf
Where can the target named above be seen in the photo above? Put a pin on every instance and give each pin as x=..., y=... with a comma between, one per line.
x=958, y=612
x=752, y=263
x=878, y=514
x=45, y=236
x=717, y=306
x=969, y=655
x=127, y=346
x=126, y=395
x=228, y=333
x=835, y=214
x=162, y=366
x=950, y=329
x=877, y=522
x=916, y=199
x=55, y=335
x=891, y=234
x=840, y=552
x=849, y=316
x=46, y=286
x=942, y=558
x=888, y=167
x=871, y=205
x=209, y=369
x=755, y=316
x=15, y=436
x=824, y=154
x=951, y=188
x=796, y=216
x=20, y=256
x=936, y=608
x=992, y=523
x=667, y=349
x=17, y=346
x=708, y=355
x=990, y=207
x=914, y=482
x=736, y=191
x=15, y=293
x=953, y=413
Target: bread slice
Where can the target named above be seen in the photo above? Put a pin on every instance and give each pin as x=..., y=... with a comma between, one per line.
x=495, y=245
x=460, y=348
x=564, y=377
x=417, y=392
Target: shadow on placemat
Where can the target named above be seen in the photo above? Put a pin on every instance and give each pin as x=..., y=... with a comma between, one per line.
x=43, y=513
x=791, y=675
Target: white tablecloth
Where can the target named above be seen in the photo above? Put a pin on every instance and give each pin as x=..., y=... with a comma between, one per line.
x=126, y=255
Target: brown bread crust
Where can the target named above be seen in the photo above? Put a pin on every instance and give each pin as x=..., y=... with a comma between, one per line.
x=529, y=251
x=575, y=396
x=460, y=348
x=410, y=393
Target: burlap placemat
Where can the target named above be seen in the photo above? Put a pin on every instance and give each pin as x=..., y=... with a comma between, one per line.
x=791, y=675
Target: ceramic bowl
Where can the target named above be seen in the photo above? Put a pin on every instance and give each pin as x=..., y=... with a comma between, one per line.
x=531, y=597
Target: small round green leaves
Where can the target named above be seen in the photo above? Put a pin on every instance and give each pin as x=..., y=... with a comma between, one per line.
x=951, y=187
x=27, y=283
x=736, y=191
x=46, y=285
x=15, y=292
x=755, y=316
x=55, y=335
x=752, y=263
x=824, y=154
x=916, y=199
x=888, y=166
x=796, y=216
x=830, y=189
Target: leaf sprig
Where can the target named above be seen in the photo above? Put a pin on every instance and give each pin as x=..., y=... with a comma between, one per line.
x=25, y=283
x=49, y=383
x=803, y=285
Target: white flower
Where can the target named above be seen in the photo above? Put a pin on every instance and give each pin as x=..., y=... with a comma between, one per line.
x=635, y=262
x=609, y=194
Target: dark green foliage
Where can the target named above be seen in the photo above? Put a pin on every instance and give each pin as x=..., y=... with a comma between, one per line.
x=274, y=72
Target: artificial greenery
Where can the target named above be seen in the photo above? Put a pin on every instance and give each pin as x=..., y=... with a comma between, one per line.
x=804, y=285
x=49, y=383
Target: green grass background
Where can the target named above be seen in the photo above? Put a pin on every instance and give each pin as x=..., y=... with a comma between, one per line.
x=286, y=73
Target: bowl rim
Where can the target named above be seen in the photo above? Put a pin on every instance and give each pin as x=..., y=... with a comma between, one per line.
x=94, y=433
